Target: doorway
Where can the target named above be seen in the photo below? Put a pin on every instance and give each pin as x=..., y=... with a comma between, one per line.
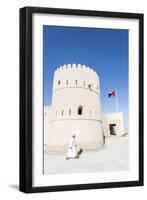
x=112, y=129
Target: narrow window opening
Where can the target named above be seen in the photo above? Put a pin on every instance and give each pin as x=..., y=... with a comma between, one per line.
x=80, y=110
x=90, y=87
x=69, y=111
x=59, y=82
x=62, y=112
x=76, y=82
x=67, y=82
x=84, y=83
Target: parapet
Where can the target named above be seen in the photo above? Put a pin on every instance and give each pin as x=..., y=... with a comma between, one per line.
x=76, y=75
x=75, y=66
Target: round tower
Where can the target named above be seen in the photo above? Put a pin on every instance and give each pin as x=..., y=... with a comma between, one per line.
x=75, y=109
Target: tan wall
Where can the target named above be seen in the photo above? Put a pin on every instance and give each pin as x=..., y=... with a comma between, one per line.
x=88, y=134
x=72, y=73
x=61, y=119
x=105, y=126
x=114, y=118
x=71, y=90
x=70, y=96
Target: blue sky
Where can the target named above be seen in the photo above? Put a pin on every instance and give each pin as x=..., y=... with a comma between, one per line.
x=104, y=50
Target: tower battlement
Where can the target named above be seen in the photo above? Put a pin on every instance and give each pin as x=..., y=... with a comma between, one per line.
x=74, y=66
x=76, y=75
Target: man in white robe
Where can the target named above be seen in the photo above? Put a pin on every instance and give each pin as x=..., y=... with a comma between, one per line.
x=72, y=149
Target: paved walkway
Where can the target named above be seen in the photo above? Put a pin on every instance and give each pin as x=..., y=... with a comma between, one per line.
x=114, y=156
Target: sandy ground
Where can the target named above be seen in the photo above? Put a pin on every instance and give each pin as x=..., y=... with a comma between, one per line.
x=113, y=157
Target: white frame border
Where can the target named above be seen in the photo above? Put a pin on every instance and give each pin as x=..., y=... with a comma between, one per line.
x=39, y=179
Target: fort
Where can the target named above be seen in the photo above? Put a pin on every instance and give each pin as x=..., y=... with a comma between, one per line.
x=76, y=109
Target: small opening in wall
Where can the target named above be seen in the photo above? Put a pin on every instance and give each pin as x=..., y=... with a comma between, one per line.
x=62, y=112
x=59, y=82
x=56, y=112
x=84, y=83
x=67, y=82
x=97, y=87
x=80, y=110
x=69, y=111
x=76, y=82
x=112, y=128
x=90, y=87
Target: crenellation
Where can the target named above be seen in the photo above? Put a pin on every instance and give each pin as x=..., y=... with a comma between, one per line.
x=75, y=66
x=72, y=75
x=69, y=66
x=79, y=66
x=64, y=66
x=84, y=66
